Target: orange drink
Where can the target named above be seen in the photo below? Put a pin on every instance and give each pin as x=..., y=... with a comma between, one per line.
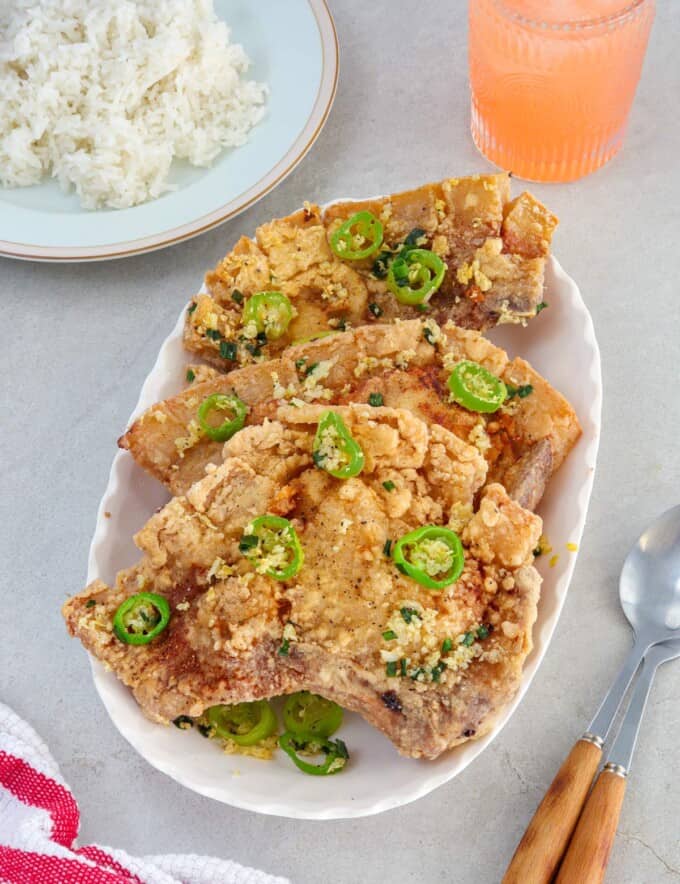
x=553, y=82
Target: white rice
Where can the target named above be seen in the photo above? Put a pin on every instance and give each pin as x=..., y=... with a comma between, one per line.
x=103, y=94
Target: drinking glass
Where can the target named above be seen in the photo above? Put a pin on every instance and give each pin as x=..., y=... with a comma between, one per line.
x=553, y=82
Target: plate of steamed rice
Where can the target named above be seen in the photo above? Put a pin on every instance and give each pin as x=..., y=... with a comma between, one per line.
x=127, y=127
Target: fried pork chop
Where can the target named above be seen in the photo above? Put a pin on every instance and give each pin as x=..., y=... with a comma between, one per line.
x=494, y=250
x=225, y=640
x=408, y=364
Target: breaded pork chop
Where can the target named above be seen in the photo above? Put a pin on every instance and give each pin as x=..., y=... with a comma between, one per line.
x=407, y=364
x=494, y=250
x=238, y=635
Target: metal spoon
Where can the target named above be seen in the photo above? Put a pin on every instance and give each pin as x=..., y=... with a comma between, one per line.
x=649, y=589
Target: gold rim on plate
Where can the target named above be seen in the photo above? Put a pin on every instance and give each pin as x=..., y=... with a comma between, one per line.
x=308, y=135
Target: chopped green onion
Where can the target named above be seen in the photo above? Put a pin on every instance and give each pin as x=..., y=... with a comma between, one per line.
x=409, y=613
x=389, y=485
x=389, y=635
x=447, y=645
x=310, y=368
x=415, y=238
x=192, y=307
x=248, y=541
x=376, y=400
x=437, y=670
x=375, y=309
x=402, y=666
x=190, y=375
x=90, y=603
x=522, y=391
x=468, y=639
x=391, y=669
x=214, y=334
x=541, y=306
x=228, y=350
x=285, y=647
x=237, y=296
x=483, y=632
x=387, y=547
x=183, y=722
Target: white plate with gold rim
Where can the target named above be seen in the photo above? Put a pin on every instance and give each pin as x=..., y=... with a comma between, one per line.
x=293, y=48
x=561, y=344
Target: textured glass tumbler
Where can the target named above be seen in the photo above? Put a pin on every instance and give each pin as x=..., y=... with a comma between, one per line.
x=553, y=83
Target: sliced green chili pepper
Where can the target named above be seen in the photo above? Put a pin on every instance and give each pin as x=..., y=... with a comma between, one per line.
x=244, y=723
x=270, y=311
x=141, y=618
x=335, y=751
x=222, y=402
x=305, y=713
x=476, y=388
x=335, y=449
x=358, y=237
x=432, y=555
x=415, y=275
x=272, y=545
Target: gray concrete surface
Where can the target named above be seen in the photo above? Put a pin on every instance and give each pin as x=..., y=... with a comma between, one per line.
x=77, y=341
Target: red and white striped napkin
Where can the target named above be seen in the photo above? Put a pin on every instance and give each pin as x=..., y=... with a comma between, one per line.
x=39, y=822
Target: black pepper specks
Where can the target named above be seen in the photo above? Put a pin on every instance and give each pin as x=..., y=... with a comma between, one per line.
x=391, y=700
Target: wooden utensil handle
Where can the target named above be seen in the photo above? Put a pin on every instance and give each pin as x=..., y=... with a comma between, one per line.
x=543, y=844
x=588, y=854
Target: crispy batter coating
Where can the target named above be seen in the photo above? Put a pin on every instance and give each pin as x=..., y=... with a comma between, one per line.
x=407, y=369
x=225, y=635
x=494, y=249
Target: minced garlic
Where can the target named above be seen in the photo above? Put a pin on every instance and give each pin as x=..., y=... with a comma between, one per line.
x=329, y=454
x=194, y=435
x=219, y=569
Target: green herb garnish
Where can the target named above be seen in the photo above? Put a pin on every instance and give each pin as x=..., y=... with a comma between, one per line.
x=437, y=670
x=376, y=400
x=408, y=614
x=522, y=391
x=228, y=350
x=389, y=485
